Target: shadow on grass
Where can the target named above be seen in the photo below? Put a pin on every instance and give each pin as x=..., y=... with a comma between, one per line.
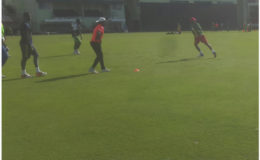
x=47, y=80
x=12, y=79
x=63, y=78
x=49, y=57
x=185, y=59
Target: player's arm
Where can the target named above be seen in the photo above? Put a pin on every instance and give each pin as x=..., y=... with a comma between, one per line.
x=193, y=32
x=81, y=37
x=27, y=35
x=3, y=40
x=98, y=37
x=73, y=30
x=198, y=28
x=80, y=33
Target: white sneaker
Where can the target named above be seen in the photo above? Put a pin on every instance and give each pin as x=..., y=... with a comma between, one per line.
x=26, y=75
x=76, y=52
x=40, y=74
x=215, y=54
x=92, y=70
x=106, y=70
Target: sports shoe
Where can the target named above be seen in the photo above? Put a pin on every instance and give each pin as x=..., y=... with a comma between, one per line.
x=40, y=74
x=215, y=54
x=106, y=70
x=26, y=75
x=201, y=55
x=92, y=70
x=76, y=52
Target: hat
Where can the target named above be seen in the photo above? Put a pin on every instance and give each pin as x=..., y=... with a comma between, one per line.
x=193, y=19
x=101, y=19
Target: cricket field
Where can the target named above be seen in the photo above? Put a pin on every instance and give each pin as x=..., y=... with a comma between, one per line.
x=177, y=107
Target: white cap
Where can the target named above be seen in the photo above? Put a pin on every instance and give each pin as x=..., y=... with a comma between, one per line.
x=101, y=19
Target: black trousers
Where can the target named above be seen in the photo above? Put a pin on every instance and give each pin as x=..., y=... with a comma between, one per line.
x=98, y=50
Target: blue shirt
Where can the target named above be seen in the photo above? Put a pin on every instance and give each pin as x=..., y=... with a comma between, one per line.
x=26, y=33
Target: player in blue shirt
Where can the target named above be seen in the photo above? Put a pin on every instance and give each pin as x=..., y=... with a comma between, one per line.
x=4, y=49
x=27, y=47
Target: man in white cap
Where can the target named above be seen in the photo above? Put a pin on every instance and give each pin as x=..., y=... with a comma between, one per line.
x=96, y=45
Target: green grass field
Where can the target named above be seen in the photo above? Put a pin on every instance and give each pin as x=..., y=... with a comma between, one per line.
x=179, y=107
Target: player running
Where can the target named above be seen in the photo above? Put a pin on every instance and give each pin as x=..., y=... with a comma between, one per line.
x=76, y=34
x=199, y=36
x=27, y=47
x=96, y=45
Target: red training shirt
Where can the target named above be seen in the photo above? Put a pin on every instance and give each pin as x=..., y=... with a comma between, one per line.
x=98, y=28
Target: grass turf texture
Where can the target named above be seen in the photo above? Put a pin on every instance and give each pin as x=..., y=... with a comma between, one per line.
x=179, y=107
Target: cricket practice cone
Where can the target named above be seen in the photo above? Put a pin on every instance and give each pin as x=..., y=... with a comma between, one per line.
x=136, y=70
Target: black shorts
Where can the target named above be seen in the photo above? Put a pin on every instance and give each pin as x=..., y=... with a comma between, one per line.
x=28, y=50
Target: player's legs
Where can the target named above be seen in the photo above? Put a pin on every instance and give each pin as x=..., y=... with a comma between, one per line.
x=92, y=68
x=197, y=47
x=4, y=55
x=100, y=56
x=98, y=50
x=35, y=56
x=25, y=56
x=208, y=45
x=212, y=50
x=101, y=60
x=36, y=62
x=204, y=40
x=95, y=48
x=196, y=42
x=77, y=43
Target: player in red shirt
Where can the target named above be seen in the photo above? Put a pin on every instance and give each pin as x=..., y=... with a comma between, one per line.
x=96, y=45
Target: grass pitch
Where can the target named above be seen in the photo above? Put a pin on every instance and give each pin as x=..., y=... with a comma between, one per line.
x=178, y=107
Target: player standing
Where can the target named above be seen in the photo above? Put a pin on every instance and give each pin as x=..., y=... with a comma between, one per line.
x=178, y=28
x=199, y=36
x=4, y=49
x=96, y=45
x=27, y=47
x=76, y=34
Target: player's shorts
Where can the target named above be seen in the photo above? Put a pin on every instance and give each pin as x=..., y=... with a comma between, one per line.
x=77, y=39
x=28, y=50
x=4, y=54
x=199, y=39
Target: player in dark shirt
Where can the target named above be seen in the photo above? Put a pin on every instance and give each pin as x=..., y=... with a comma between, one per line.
x=76, y=34
x=27, y=47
